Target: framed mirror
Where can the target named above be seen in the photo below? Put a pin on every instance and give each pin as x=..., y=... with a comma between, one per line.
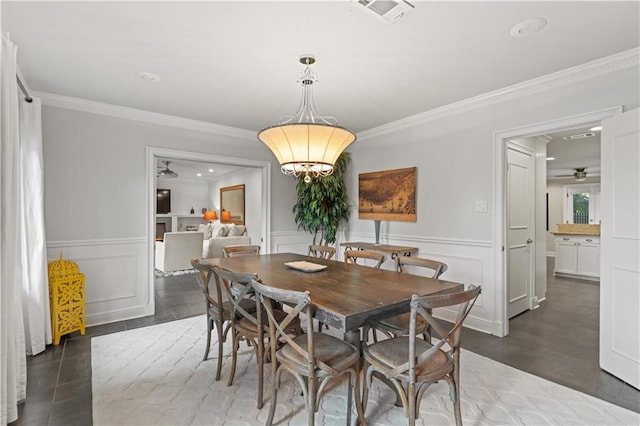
x=232, y=204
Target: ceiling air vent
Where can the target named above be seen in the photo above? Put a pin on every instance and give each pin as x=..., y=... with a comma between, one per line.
x=390, y=10
x=580, y=136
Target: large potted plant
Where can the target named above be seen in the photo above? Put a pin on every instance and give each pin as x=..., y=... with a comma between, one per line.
x=322, y=203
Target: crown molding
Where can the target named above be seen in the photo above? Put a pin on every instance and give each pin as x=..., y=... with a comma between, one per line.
x=597, y=68
x=84, y=105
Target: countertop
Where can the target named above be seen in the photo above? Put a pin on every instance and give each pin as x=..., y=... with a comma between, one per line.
x=597, y=234
x=577, y=229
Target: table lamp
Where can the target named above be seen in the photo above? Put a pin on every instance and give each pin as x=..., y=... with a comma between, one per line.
x=226, y=215
x=210, y=215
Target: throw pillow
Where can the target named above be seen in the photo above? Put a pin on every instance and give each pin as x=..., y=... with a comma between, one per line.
x=219, y=230
x=236, y=230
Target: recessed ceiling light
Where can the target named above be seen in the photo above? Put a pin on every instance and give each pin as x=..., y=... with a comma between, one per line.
x=595, y=129
x=551, y=158
x=210, y=170
x=528, y=27
x=199, y=174
x=148, y=76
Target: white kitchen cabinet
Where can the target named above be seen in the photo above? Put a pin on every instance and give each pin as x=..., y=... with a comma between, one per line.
x=578, y=255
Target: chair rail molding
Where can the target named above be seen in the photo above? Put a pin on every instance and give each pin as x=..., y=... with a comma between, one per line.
x=468, y=261
x=420, y=239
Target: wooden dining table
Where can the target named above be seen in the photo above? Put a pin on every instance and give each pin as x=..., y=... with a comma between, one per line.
x=344, y=296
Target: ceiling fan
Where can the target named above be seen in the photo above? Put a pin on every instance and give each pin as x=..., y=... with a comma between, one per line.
x=166, y=172
x=580, y=174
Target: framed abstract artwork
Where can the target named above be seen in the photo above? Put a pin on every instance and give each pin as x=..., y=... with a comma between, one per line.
x=388, y=195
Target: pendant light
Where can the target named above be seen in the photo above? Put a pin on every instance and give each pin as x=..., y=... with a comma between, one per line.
x=307, y=143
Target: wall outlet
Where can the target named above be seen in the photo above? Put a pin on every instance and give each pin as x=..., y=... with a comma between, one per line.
x=481, y=206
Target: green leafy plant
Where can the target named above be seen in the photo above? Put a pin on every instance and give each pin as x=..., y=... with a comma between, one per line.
x=322, y=203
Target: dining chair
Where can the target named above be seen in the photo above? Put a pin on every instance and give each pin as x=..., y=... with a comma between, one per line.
x=312, y=358
x=218, y=309
x=412, y=364
x=240, y=250
x=320, y=251
x=352, y=256
x=399, y=325
x=236, y=288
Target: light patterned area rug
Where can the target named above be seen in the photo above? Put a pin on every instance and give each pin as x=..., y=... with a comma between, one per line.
x=155, y=376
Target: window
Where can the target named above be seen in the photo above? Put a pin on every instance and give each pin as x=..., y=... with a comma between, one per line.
x=582, y=203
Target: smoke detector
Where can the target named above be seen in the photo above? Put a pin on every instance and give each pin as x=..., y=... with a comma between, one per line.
x=389, y=10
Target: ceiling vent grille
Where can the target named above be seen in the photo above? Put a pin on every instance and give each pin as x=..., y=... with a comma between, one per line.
x=389, y=10
x=580, y=136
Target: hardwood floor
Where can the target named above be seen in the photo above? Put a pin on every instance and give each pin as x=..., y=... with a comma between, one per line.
x=558, y=341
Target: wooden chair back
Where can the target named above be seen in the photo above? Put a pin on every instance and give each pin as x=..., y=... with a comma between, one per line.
x=404, y=263
x=235, y=287
x=352, y=256
x=204, y=273
x=298, y=352
x=323, y=252
x=279, y=330
x=422, y=306
x=240, y=250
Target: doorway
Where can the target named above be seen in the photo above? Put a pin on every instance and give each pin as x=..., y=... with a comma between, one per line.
x=539, y=232
x=152, y=155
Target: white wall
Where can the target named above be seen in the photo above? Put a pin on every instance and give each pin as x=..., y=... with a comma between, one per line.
x=95, y=184
x=454, y=154
x=186, y=194
x=96, y=199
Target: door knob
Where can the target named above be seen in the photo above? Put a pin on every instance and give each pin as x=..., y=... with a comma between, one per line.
x=529, y=240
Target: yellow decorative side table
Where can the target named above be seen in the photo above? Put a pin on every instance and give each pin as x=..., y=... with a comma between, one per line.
x=66, y=294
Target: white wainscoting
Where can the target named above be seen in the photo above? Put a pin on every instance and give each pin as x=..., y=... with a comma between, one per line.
x=468, y=262
x=115, y=276
x=299, y=241
x=290, y=242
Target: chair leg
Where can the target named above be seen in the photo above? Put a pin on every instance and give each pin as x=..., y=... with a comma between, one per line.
x=209, y=330
x=365, y=389
x=456, y=388
x=411, y=409
x=350, y=396
x=311, y=401
x=260, y=359
x=235, y=345
x=356, y=392
x=274, y=390
x=220, y=341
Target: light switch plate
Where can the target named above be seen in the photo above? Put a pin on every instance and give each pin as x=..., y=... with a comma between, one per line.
x=481, y=206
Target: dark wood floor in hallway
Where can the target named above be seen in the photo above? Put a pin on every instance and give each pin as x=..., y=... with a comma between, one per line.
x=558, y=341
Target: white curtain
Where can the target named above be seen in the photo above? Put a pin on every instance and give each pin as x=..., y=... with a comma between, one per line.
x=35, y=287
x=13, y=374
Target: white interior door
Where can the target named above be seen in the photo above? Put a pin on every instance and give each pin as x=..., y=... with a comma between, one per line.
x=520, y=217
x=620, y=247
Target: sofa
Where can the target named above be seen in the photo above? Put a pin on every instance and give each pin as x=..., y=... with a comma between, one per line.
x=217, y=235
x=177, y=250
